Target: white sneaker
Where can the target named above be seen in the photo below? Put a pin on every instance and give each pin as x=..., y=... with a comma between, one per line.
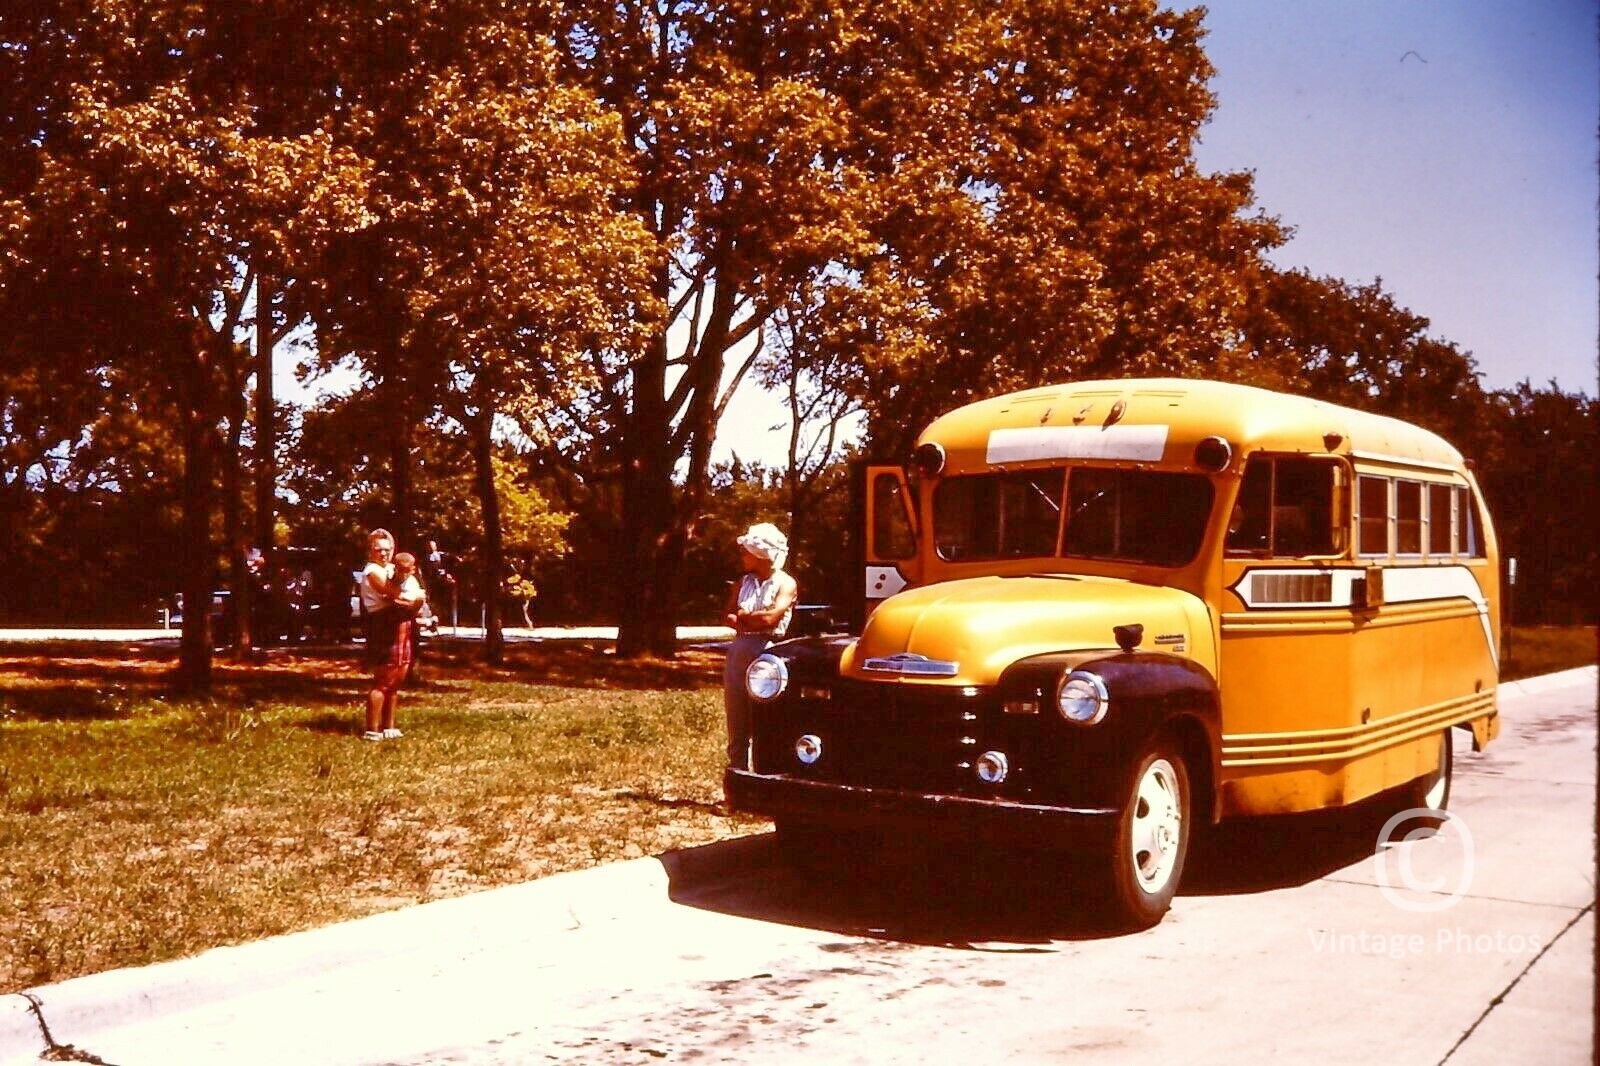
x=372, y=735
x=392, y=734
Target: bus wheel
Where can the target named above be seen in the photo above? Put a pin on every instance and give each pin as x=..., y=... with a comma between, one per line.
x=1432, y=790
x=1152, y=841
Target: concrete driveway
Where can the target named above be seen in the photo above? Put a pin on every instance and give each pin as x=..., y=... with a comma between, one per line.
x=1291, y=940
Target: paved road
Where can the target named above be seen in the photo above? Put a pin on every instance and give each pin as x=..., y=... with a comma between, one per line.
x=1284, y=944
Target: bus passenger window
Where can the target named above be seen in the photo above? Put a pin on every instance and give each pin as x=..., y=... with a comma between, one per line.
x=1439, y=539
x=1408, y=514
x=1468, y=542
x=1374, y=504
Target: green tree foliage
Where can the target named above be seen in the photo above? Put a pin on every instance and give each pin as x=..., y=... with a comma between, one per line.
x=578, y=226
x=144, y=168
x=1355, y=345
x=952, y=196
x=1539, y=467
x=89, y=493
x=501, y=268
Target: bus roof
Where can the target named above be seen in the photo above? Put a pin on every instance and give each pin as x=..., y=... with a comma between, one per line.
x=1163, y=419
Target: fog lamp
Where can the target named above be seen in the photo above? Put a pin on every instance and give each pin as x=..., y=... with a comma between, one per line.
x=992, y=767
x=808, y=749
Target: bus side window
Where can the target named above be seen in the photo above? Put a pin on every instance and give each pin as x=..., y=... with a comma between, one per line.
x=1285, y=507
x=1440, y=538
x=1468, y=541
x=1408, y=517
x=1372, y=497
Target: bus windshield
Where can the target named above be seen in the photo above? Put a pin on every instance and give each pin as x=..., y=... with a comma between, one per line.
x=1137, y=516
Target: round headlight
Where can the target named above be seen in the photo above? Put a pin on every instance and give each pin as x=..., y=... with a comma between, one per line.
x=766, y=677
x=1081, y=698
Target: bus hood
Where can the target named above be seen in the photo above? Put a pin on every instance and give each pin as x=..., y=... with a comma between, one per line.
x=967, y=632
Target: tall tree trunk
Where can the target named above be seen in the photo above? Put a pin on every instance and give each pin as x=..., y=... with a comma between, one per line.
x=646, y=618
x=398, y=406
x=482, y=430
x=242, y=598
x=199, y=422
x=701, y=423
x=266, y=423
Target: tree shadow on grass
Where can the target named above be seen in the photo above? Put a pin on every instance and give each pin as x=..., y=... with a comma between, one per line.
x=64, y=680
x=574, y=664
x=332, y=723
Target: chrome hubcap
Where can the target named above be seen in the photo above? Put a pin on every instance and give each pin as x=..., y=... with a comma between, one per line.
x=1157, y=826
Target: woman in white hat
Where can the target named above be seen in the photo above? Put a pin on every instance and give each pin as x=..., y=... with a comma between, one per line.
x=759, y=608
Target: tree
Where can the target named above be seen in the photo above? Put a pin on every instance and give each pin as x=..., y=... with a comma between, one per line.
x=1355, y=345
x=955, y=194
x=501, y=263
x=151, y=167
x=1540, y=474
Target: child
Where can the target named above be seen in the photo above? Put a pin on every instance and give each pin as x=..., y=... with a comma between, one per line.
x=406, y=597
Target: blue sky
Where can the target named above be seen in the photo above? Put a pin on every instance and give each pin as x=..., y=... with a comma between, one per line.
x=1446, y=146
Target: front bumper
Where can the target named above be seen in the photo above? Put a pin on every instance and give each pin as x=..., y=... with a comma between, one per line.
x=991, y=821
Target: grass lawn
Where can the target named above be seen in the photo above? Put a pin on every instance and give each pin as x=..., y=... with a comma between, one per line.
x=136, y=828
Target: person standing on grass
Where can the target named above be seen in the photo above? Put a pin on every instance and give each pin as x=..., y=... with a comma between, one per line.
x=374, y=587
x=397, y=620
x=759, y=608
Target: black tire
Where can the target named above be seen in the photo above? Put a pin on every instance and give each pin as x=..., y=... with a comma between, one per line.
x=1428, y=792
x=1152, y=839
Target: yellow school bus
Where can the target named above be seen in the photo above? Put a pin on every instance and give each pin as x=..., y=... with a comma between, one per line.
x=1107, y=609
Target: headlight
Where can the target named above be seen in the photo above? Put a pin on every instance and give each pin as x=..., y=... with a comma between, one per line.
x=1081, y=697
x=766, y=677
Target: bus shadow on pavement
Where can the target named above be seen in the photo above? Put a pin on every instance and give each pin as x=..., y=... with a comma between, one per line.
x=976, y=899
x=996, y=900
x=1283, y=851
